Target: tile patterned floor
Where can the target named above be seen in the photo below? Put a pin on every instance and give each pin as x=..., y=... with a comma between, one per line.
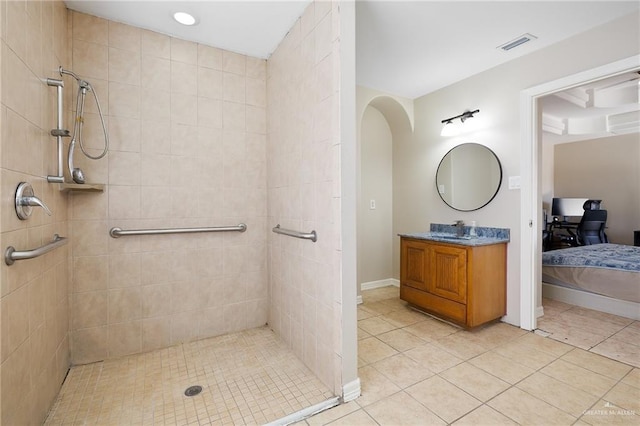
x=247, y=378
x=413, y=370
x=605, y=334
x=417, y=370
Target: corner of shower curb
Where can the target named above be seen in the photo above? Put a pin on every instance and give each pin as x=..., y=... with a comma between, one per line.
x=306, y=412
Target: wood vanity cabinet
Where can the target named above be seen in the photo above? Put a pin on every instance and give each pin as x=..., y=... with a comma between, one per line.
x=466, y=285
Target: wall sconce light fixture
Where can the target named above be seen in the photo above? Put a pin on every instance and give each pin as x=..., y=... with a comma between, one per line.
x=450, y=128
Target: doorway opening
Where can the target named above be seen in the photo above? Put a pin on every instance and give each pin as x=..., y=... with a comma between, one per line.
x=531, y=194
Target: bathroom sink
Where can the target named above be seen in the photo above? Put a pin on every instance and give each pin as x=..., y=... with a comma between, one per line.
x=452, y=236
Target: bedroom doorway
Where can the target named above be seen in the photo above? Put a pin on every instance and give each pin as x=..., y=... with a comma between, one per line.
x=530, y=196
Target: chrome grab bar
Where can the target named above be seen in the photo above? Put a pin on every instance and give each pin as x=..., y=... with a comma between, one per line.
x=305, y=236
x=118, y=232
x=11, y=254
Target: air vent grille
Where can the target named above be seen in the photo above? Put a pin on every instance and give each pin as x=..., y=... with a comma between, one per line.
x=525, y=38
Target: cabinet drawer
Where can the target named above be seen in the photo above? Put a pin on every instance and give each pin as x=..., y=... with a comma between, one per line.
x=457, y=312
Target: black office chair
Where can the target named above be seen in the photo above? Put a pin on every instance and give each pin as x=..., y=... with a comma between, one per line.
x=591, y=228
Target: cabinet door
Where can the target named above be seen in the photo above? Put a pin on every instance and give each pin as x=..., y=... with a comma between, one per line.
x=413, y=264
x=447, y=272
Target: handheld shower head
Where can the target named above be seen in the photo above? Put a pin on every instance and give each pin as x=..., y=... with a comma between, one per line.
x=76, y=173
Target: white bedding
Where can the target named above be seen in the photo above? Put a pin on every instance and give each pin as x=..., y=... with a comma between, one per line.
x=606, y=269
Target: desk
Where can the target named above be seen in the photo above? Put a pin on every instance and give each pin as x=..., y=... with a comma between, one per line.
x=555, y=240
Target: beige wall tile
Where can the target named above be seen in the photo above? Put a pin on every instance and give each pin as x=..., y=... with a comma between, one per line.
x=234, y=62
x=155, y=202
x=89, y=238
x=156, y=300
x=184, y=327
x=16, y=27
x=124, y=36
x=15, y=323
x=124, y=270
x=210, y=83
x=90, y=28
x=124, y=338
x=89, y=344
x=16, y=375
x=124, y=67
x=155, y=333
x=125, y=304
x=156, y=137
x=184, y=51
x=209, y=57
x=124, y=100
x=124, y=168
x=155, y=44
x=90, y=60
x=156, y=73
x=124, y=202
x=184, y=109
x=34, y=305
x=155, y=105
x=184, y=78
x=89, y=309
x=90, y=273
x=256, y=68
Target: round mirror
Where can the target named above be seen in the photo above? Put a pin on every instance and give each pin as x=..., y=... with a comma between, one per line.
x=468, y=177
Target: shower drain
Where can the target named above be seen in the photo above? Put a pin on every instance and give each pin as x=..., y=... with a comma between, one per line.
x=193, y=390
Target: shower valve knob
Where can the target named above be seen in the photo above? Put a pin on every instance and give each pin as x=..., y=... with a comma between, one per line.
x=25, y=199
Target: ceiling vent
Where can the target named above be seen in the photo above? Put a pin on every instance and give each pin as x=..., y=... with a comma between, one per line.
x=525, y=38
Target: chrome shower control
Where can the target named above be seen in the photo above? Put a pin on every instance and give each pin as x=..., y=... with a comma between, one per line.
x=25, y=200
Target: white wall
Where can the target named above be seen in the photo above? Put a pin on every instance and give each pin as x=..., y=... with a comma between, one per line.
x=604, y=169
x=496, y=93
x=398, y=113
x=376, y=225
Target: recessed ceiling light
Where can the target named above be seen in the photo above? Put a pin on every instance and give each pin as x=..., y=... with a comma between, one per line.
x=184, y=18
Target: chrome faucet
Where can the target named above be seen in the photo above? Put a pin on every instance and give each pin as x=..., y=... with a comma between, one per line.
x=25, y=199
x=459, y=228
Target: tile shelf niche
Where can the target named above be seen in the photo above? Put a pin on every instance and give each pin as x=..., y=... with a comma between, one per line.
x=84, y=187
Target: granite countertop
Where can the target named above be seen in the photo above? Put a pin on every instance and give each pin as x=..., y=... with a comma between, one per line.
x=451, y=238
x=447, y=234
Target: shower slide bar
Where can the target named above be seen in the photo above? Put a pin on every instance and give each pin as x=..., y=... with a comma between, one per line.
x=296, y=234
x=118, y=232
x=58, y=132
x=11, y=254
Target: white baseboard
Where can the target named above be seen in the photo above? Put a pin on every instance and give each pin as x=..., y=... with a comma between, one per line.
x=380, y=283
x=593, y=301
x=539, y=311
x=359, y=299
x=351, y=390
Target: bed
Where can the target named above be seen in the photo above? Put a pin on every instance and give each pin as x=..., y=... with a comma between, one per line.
x=609, y=272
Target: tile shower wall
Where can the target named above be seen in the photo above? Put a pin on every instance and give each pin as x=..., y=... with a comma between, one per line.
x=304, y=190
x=187, y=133
x=34, y=320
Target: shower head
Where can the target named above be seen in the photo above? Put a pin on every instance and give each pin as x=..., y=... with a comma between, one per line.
x=76, y=173
x=83, y=84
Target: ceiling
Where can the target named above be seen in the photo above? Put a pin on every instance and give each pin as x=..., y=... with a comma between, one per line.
x=414, y=48
x=253, y=28
x=407, y=48
x=606, y=107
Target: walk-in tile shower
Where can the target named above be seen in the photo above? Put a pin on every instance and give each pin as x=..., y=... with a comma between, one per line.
x=193, y=137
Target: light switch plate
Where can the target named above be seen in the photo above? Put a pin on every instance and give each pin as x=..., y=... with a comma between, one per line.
x=514, y=182
x=372, y=204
